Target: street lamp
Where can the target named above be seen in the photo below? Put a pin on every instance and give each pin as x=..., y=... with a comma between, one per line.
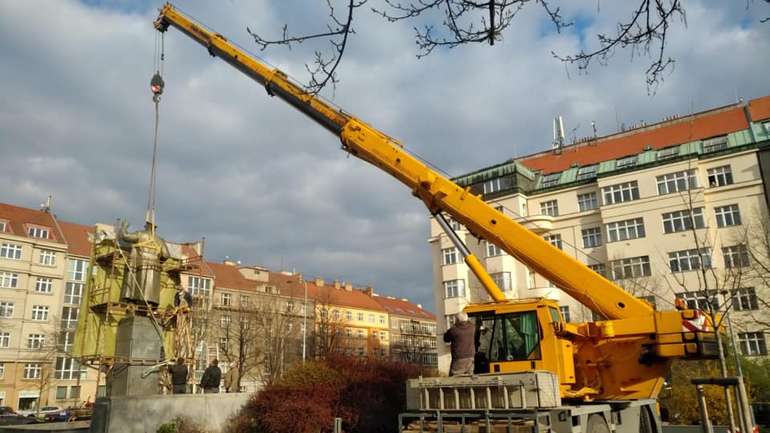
x=304, y=325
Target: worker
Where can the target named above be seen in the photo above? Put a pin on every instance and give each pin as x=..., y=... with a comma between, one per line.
x=179, y=377
x=212, y=376
x=461, y=338
x=232, y=379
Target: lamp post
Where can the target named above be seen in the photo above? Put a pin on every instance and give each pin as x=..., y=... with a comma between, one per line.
x=304, y=325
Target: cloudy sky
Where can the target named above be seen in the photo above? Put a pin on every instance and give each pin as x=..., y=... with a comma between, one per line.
x=265, y=185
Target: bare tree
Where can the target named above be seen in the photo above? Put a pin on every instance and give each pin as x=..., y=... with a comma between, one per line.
x=330, y=329
x=237, y=334
x=451, y=23
x=278, y=331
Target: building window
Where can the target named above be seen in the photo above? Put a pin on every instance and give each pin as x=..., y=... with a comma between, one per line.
x=493, y=185
x=32, y=370
x=620, y=193
x=587, y=201
x=668, y=152
x=360, y=317
x=225, y=321
x=69, y=317
x=77, y=269
x=2, y=372
x=720, y=176
x=223, y=344
x=632, y=267
x=73, y=293
x=360, y=333
x=493, y=250
x=454, y=288
x=199, y=286
x=752, y=343
x=554, y=239
x=599, y=268
x=745, y=299
x=625, y=230
x=715, y=144
x=9, y=280
x=503, y=280
x=10, y=251
x=588, y=172
x=682, y=220
x=40, y=312
x=44, y=285
x=729, y=215
x=736, y=256
x=550, y=180
x=698, y=300
x=371, y=318
x=38, y=232
x=245, y=301
x=47, y=257
x=564, y=310
x=2, y=226
x=689, y=260
x=226, y=299
x=592, y=237
x=382, y=322
x=35, y=341
x=61, y=392
x=626, y=162
x=336, y=315
x=6, y=309
x=550, y=208
x=348, y=315
x=75, y=392
x=449, y=255
x=677, y=182
x=5, y=339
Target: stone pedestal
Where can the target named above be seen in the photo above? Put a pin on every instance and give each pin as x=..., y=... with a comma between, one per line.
x=137, y=340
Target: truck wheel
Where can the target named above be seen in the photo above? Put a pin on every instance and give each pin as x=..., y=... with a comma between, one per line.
x=645, y=420
x=597, y=424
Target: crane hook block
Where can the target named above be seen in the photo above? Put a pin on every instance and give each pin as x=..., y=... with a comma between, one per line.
x=156, y=85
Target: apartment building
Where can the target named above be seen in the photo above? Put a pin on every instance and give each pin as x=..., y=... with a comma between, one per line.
x=412, y=331
x=43, y=262
x=649, y=207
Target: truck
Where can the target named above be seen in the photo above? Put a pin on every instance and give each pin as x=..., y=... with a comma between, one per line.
x=542, y=373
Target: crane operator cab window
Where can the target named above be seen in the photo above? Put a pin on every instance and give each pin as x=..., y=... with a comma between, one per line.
x=506, y=337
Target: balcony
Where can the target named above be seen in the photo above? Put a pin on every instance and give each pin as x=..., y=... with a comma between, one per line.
x=537, y=223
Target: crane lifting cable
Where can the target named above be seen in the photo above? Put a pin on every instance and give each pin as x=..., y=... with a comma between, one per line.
x=156, y=86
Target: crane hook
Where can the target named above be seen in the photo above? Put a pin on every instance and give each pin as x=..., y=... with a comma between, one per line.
x=156, y=86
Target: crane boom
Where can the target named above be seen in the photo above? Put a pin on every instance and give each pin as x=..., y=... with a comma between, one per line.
x=438, y=193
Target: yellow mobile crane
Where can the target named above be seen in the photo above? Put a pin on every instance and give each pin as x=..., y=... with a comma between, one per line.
x=621, y=359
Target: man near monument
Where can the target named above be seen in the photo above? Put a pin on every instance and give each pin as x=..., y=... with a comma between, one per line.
x=179, y=377
x=232, y=378
x=461, y=337
x=212, y=376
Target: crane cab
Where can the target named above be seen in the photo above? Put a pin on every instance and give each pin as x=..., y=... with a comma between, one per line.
x=522, y=335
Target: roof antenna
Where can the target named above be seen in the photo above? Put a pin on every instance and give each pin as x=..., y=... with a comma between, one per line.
x=46, y=207
x=558, y=134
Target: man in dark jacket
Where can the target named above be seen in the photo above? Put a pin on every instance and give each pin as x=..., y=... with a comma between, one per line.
x=461, y=336
x=211, y=378
x=179, y=376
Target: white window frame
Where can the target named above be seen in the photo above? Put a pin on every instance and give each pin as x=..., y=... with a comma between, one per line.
x=47, y=258
x=752, y=343
x=10, y=251
x=32, y=370
x=69, y=317
x=6, y=309
x=587, y=201
x=5, y=339
x=682, y=220
x=449, y=256
x=625, y=230
x=729, y=215
x=689, y=260
x=631, y=267
x=587, y=172
x=698, y=300
x=720, y=176
x=9, y=280
x=592, y=237
x=225, y=299
x=454, y=289
x=503, y=280
x=599, y=268
x=492, y=250
x=715, y=144
x=40, y=313
x=73, y=293
x=77, y=269
x=628, y=161
x=199, y=286
x=492, y=185
x=549, y=208
x=38, y=232
x=35, y=341
x=667, y=153
x=550, y=180
x=43, y=285
x=620, y=193
x=736, y=256
x=677, y=182
x=565, y=314
x=745, y=299
x=554, y=239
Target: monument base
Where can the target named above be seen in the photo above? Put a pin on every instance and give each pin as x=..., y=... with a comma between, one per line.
x=138, y=341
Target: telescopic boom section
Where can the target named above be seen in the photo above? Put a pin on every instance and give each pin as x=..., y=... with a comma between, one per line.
x=437, y=192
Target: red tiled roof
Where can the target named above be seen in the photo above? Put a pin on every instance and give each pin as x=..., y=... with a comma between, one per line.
x=403, y=308
x=78, y=237
x=759, y=109
x=699, y=126
x=18, y=218
x=229, y=277
x=290, y=285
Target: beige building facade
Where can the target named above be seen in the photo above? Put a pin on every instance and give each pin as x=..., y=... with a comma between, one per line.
x=666, y=211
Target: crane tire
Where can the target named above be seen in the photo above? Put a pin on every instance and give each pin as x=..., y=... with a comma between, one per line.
x=645, y=420
x=597, y=424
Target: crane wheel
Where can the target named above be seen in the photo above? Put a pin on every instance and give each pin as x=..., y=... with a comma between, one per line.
x=597, y=424
x=645, y=420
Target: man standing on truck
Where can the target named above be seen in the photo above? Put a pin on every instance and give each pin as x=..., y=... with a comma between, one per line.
x=461, y=337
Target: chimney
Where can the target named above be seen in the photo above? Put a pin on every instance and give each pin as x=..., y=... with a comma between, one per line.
x=348, y=287
x=300, y=278
x=369, y=291
x=319, y=281
x=419, y=306
x=337, y=284
x=229, y=262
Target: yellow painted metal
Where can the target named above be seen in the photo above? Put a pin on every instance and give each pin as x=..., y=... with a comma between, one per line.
x=600, y=360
